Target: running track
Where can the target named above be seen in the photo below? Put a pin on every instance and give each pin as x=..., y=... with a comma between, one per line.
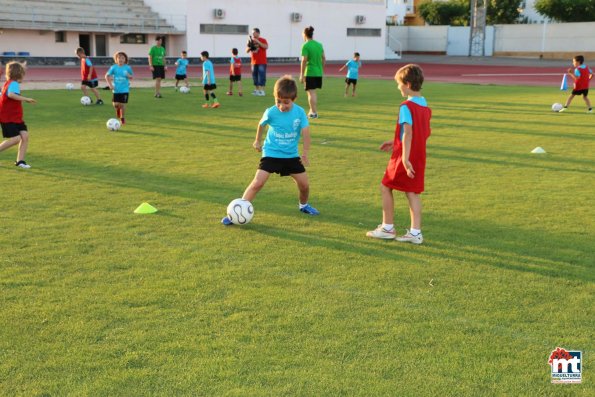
x=451, y=73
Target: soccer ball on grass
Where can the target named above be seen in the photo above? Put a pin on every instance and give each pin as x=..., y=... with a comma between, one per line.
x=113, y=124
x=240, y=211
x=85, y=101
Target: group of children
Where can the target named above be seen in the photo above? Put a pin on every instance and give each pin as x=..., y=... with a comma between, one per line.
x=286, y=123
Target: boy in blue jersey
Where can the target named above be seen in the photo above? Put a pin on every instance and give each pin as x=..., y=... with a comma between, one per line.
x=286, y=122
x=118, y=78
x=181, y=65
x=208, y=81
x=352, y=66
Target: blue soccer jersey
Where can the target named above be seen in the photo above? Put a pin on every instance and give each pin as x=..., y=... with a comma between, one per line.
x=353, y=69
x=208, y=73
x=284, y=132
x=182, y=65
x=121, y=78
x=14, y=88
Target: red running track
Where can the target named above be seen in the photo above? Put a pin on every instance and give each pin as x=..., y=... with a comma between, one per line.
x=451, y=73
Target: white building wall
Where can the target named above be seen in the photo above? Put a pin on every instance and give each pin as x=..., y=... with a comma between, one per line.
x=330, y=20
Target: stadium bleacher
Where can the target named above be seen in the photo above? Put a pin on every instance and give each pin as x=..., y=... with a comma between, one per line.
x=73, y=15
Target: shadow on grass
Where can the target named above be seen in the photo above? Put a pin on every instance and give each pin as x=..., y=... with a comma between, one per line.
x=482, y=243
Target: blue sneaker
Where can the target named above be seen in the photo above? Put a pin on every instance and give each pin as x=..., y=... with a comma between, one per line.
x=226, y=221
x=308, y=209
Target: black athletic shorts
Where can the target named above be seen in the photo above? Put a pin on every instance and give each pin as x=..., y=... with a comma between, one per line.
x=181, y=77
x=158, y=72
x=120, y=98
x=351, y=81
x=10, y=130
x=90, y=83
x=283, y=167
x=313, y=83
x=236, y=77
x=581, y=92
x=209, y=87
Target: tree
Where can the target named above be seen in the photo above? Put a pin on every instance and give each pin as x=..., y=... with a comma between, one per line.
x=503, y=11
x=567, y=10
x=453, y=12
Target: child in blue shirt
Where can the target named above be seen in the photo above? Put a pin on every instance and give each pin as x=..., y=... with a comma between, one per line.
x=286, y=122
x=118, y=78
x=181, y=65
x=352, y=66
x=208, y=81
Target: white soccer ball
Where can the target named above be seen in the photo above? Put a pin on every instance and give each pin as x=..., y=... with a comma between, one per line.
x=113, y=124
x=184, y=90
x=85, y=101
x=240, y=211
x=556, y=107
x=70, y=86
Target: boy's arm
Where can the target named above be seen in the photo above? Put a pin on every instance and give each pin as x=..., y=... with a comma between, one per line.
x=17, y=97
x=342, y=67
x=151, y=59
x=407, y=135
x=108, y=80
x=257, y=140
x=91, y=69
x=306, y=146
x=303, y=68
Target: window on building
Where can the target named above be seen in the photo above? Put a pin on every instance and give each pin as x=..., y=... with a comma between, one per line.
x=60, y=37
x=133, y=38
x=223, y=29
x=364, y=32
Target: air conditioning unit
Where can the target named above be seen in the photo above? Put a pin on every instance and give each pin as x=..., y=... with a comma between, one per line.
x=218, y=13
x=360, y=19
x=296, y=17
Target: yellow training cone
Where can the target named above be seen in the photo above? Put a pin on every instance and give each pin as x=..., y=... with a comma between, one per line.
x=145, y=208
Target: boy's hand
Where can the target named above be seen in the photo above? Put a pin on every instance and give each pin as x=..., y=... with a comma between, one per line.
x=305, y=159
x=570, y=70
x=409, y=168
x=30, y=100
x=386, y=146
x=257, y=145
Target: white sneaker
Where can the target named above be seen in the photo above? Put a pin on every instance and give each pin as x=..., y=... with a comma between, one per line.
x=382, y=233
x=22, y=164
x=410, y=238
x=256, y=92
x=563, y=109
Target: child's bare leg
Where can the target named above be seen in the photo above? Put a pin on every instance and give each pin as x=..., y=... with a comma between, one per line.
x=84, y=88
x=186, y=82
x=587, y=101
x=346, y=88
x=240, y=87
x=122, y=109
x=96, y=93
x=570, y=98
x=303, y=185
x=10, y=142
x=388, y=205
x=414, y=209
x=312, y=100
x=23, y=145
x=230, y=87
x=257, y=183
x=353, y=91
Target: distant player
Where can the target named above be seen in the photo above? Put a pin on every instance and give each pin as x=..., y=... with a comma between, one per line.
x=407, y=164
x=352, y=66
x=88, y=75
x=14, y=129
x=118, y=78
x=157, y=64
x=181, y=65
x=208, y=81
x=235, y=72
x=582, y=76
x=286, y=122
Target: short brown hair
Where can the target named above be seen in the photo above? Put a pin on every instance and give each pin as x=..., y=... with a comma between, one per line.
x=120, y=53
x=411, y=74
x=15, y=70
x=80, y=50
x=286, y=87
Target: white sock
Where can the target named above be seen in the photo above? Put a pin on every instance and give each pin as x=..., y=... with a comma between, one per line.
x=388, y=226
x=415, y=232
x=303, y=205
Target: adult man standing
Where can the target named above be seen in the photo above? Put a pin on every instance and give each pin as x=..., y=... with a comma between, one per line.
x=257, y=48
x=157, y=64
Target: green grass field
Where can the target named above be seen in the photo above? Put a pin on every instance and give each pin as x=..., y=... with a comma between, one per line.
x=98, y=301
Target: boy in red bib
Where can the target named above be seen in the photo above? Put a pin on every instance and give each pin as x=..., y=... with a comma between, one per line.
x=14, y=129
x=235, y=72
x=407, y=164
x=581, y=75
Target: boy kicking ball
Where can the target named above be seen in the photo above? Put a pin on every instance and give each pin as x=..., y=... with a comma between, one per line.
x=286, y=122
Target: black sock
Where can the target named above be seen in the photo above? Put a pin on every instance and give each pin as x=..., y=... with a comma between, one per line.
x=207, y=97
x=213, y=95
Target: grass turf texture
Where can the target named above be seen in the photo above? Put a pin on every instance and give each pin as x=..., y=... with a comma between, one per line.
x=96, y=300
